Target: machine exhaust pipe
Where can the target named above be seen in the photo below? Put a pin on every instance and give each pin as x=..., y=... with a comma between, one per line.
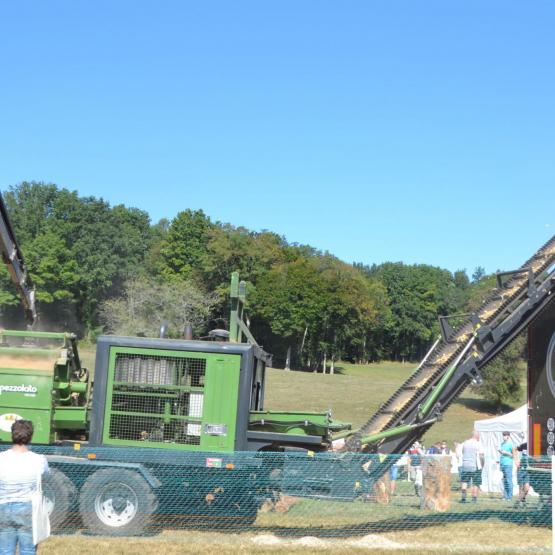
x=188, y=331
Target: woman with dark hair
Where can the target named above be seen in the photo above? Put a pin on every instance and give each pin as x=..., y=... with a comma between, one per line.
x=20, y=470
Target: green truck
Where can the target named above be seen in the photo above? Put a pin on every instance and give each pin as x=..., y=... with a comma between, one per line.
x=156, y=409
x=154, y=395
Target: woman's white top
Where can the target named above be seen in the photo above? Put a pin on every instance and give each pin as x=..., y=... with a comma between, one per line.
x=18, y=475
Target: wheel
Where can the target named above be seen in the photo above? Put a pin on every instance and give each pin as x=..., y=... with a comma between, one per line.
x=60, y=494
x=116, y=502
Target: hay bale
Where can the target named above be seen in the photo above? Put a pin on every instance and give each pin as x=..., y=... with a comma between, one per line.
x=436, y=482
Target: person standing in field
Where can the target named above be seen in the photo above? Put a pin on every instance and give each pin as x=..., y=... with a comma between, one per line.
x=415, y=466
x=20, y=470
x=507, y=453
x=522, y=476
x=394, y=472
x=471, y=463
x=457, y=459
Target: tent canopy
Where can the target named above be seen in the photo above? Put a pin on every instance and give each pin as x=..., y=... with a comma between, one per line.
x=515, y=421
x=491, y=435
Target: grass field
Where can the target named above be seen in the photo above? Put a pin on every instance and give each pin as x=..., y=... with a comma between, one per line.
x=450, y=538
x=353, y=394
x=357, y=391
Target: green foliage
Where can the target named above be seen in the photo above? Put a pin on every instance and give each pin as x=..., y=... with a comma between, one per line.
x=55, y=271
x=479, y=291
x=232, y=249
x=101, y=267
x=184, y=244
x=503, y=376
x=417, y=295
x=146, y=303
x=478, y=274
x=79, y=250
x=291, y=297
x=158, y=234
x=319, y=306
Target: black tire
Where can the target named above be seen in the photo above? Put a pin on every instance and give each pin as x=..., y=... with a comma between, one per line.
x=116, y=502
x=60, y=494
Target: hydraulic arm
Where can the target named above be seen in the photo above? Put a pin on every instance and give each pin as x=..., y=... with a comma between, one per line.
x=455, y=360
x=13, y=258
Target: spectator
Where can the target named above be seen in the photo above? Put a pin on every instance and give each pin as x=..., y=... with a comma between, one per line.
x=507, y=452
x=472, y=462
x=415, y=462
x=457, y=456
x=394, y=472
x=435, y=449
x=522, y=477
x=444, y=449
x=20, y=470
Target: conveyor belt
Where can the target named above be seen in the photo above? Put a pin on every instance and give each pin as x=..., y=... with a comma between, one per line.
x=402, y=407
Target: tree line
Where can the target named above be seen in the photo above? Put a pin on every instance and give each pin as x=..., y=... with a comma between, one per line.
x=101, y=268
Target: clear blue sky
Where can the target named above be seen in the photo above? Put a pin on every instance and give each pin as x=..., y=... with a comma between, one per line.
x=414, y=131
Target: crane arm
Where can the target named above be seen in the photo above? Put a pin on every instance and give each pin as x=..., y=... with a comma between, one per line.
x=13, y=258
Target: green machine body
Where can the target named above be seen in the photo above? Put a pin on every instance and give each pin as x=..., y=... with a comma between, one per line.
x=41, y=379
x=191, y=395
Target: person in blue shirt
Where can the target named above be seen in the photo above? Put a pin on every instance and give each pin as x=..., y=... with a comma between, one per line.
x=522, y=476
x=507, y=453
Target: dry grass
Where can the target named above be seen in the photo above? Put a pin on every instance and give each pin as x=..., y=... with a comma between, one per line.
x=475, y=537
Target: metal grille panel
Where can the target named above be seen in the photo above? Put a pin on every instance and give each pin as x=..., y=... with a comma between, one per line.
x=159, y=370
x=157, y=399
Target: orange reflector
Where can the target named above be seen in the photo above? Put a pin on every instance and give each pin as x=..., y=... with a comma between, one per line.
x=537, y=440
x=91, y=456
x=230, y=466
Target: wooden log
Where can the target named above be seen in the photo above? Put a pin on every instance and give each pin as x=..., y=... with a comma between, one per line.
x=382, y=490
x=436, y=482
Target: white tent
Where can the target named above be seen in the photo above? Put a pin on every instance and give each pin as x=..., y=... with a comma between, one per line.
x=491, y=436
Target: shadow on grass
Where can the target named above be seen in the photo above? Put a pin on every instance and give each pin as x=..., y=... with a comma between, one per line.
x=483, y=406
x=536, y=518
x=338, y=370
x=225, y=525
x=309, y=370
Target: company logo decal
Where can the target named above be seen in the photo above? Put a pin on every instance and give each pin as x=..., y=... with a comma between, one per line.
x=29, y=390
x=6, y=421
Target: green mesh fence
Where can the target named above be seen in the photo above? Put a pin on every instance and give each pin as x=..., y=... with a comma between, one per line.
x=117, y=492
